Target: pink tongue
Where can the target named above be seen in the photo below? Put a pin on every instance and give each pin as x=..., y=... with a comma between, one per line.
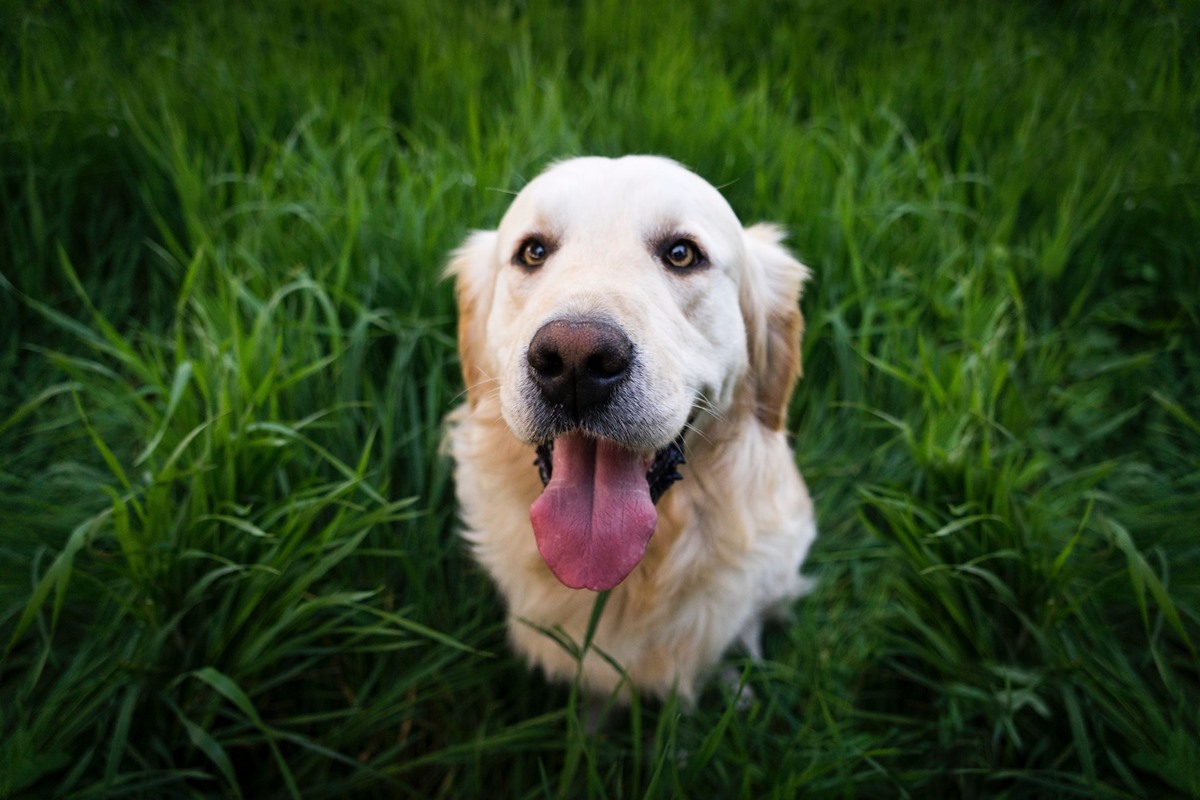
x=595, y=516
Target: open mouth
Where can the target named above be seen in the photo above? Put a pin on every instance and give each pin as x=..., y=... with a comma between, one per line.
x=596, y=514
x=661, y=473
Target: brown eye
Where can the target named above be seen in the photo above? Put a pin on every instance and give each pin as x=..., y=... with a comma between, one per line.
x=533, y=253
x=682, y=254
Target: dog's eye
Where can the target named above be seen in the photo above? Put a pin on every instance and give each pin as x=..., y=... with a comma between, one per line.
x=532, y=253
x=682, y=254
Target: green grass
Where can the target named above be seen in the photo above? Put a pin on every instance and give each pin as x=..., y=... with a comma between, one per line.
x=227, y=558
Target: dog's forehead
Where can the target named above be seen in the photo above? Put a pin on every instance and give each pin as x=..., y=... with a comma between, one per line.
x=635, y=192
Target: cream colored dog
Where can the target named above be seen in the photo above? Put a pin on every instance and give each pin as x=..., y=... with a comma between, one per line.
x=619, y=322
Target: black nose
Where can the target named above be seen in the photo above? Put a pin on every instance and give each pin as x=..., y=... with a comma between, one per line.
x=577, y=364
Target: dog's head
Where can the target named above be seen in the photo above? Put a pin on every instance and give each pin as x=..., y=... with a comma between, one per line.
x=619, y=303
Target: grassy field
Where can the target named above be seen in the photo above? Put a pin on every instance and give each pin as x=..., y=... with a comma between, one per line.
x=228, y=564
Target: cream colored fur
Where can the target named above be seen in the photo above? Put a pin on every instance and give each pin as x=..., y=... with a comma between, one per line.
x=719, y=352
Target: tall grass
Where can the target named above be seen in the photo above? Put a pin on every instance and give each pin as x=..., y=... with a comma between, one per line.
x=228, y=564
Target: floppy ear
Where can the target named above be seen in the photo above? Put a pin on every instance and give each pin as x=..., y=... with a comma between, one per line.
x=472, y=268
x=769, y=300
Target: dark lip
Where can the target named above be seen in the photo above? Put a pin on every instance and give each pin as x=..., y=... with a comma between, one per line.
x=662, y=474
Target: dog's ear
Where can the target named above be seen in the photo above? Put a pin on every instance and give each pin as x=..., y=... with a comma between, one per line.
x=474, y=275
x=769, y=300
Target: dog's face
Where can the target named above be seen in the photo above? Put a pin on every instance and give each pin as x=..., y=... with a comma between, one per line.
x=619, y=303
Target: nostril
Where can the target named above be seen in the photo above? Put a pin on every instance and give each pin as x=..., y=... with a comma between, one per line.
x=607, y=364
x=546, y=361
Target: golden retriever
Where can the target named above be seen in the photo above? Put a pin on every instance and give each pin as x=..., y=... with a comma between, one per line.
x=629, y=350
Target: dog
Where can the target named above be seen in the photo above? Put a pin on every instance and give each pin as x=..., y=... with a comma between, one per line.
x=629, y=351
